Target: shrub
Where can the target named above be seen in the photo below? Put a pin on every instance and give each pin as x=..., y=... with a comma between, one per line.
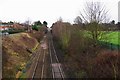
x=35, y=27
x=106, y=65
x=15, y=31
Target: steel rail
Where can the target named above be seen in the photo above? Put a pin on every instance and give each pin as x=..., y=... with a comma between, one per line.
x=36, y=65
x=53, y=75
x=43, y=65
x=61, y=72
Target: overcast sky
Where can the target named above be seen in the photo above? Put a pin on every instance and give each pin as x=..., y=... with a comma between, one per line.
x=49, y=10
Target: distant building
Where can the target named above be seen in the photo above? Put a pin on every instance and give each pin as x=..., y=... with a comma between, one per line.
x=17, y=26
x=119, y=11
x=2, y=28
x=6, y=26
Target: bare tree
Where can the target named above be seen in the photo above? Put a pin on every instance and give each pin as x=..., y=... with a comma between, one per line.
x=27, y=24
x=78, y=20
x=94, y=15
x=60, y=19
x=94, y=12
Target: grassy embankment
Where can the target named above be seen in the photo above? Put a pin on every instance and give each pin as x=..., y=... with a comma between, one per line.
x=16, y=54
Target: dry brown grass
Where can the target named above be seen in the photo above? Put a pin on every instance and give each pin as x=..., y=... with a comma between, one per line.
x=15, y=52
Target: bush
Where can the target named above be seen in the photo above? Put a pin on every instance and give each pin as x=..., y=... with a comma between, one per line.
x=83, y=58
x=12, y=31
x=106, y=65
x=34, y=27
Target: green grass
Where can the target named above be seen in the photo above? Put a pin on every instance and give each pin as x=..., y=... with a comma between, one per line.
x=110, y=37
x=23, y=75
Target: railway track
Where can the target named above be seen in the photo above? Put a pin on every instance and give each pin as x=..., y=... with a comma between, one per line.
x=57, y=71
x=36, y=65
x=53, y=66
x=38, y=72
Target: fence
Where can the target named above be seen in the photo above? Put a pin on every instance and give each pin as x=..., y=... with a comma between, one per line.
x=109, y=45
